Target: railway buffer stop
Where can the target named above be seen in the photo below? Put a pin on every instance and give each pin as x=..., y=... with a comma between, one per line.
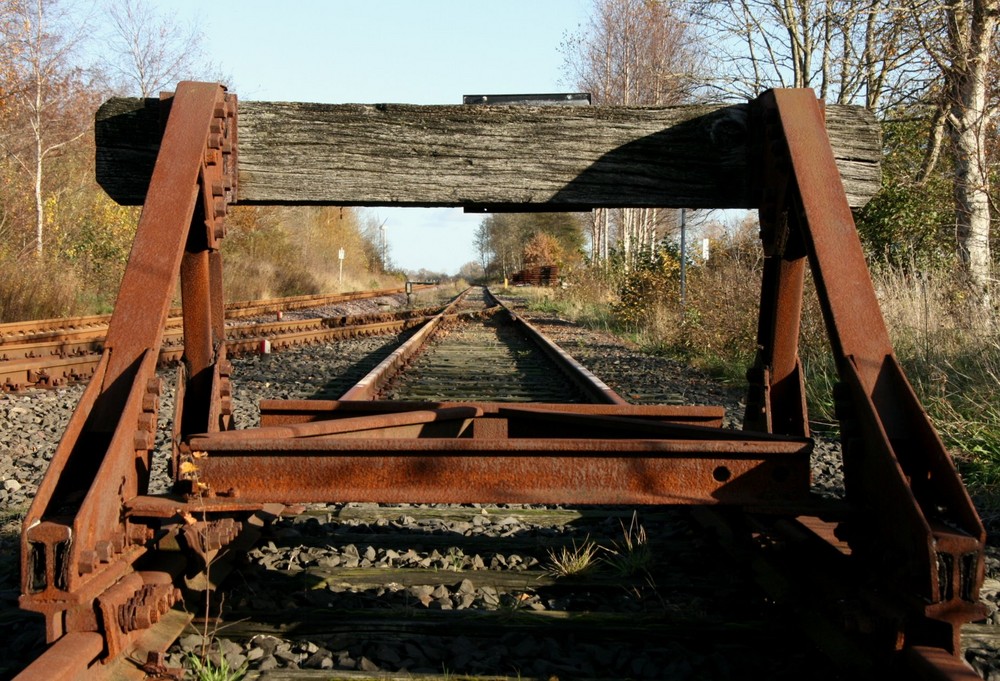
x=907, y=520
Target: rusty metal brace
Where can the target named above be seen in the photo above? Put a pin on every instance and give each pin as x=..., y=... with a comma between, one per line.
x=913, y=520
x=76, y=550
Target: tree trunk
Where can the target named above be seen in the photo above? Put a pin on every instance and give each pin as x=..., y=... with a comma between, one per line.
x=969, y=125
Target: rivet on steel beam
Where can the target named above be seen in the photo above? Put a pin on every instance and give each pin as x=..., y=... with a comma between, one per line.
x=87, y=562
x=146, y=422
x=142, y=441
x=150, y=402
x=139, y=534
x=104, y=551
x=215, y=141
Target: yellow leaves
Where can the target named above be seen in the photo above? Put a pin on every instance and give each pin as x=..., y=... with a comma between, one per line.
x=188, y=467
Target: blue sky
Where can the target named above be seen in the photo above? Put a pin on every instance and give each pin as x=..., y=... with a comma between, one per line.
x=369, y=51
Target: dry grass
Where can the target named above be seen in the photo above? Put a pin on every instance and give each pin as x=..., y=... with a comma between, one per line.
x=949, y=348
x=632, y=555
x=33, y=289
x=575, y=560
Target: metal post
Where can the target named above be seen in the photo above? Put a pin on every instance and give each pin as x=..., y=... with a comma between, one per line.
x=683, y=257
x=382, y=230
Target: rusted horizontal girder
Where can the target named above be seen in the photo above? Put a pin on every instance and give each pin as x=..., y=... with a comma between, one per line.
x=284, y=412
x=515, y=470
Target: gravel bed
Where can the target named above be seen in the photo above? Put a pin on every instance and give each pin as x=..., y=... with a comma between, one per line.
x=31, y=424
x=345, y=309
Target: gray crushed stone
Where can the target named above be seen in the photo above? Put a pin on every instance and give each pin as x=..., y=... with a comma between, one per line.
x=31, y=424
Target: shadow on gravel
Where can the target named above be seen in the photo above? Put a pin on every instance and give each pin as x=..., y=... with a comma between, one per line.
x=423, y=596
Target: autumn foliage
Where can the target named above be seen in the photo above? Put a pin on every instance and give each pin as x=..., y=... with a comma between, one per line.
x=64, y=244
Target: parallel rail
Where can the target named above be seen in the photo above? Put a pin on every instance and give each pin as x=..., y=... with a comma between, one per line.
x=51, y=358
x=42, y=330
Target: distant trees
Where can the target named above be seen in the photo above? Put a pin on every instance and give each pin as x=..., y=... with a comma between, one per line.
x=148, y=52
x=506, y=242
x=48, y=104
x=63, y=242
x=850, y=51
x=960, y=37
x=279, y=251
x=633, y=52
x=472, y=272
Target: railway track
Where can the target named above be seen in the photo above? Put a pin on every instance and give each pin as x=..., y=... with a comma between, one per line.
x=55, y=352
x=897, y=561
x=495, y=591
x=78, y=327
x=488, y=591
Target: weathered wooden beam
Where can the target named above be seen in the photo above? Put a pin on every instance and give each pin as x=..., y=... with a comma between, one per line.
x=548, y=158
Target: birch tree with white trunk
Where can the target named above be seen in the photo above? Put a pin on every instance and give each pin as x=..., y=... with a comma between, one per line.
x=632, y=53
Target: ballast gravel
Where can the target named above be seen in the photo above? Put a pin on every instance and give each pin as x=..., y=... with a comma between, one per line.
x=32, y=423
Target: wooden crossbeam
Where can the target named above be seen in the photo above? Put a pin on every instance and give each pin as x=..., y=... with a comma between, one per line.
x=533, y=157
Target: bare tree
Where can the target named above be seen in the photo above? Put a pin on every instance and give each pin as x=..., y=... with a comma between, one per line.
x=632, y=52
x=149, y=52
x=960, y=36
x=47, y=99
x=850, y=51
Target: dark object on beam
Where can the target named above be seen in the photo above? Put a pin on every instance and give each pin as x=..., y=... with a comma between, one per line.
x=553, y=99
x=553, y=158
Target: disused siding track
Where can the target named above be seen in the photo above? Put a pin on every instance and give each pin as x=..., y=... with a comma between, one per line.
x=910, y=526
x=53, y=358
x=52, y=329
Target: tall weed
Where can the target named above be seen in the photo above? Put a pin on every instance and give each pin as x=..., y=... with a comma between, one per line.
x=36, y=289
x=948, y=347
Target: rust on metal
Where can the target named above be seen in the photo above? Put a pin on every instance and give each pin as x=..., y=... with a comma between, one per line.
x=915, y=519
x=521, y=470
x=909, y=521
x=76, y=553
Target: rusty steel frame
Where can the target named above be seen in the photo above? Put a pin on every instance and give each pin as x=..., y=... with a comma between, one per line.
x=910, y=518
x=913, y=518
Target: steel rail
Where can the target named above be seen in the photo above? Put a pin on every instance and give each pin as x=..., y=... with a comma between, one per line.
x=370, y=385
x=90, y=340
x=584, y=379
x=76, y=362
x=57, y=328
